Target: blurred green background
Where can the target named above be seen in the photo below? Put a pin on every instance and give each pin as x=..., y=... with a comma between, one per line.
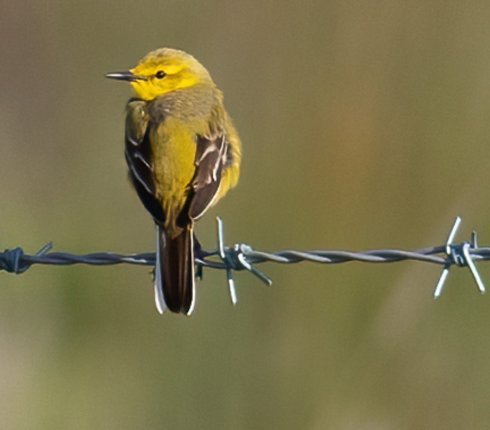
x=364, y=124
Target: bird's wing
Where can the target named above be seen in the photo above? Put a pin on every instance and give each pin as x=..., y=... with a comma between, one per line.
x=138, y=156
x=211, y=156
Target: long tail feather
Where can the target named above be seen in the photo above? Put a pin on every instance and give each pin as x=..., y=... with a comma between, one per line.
x=159, y=297
x=174, y=277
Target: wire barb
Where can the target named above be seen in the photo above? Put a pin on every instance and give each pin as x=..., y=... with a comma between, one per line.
x=459, y=255
x=234, y=259
x=15, y=261
x=226, y=261
x=242, y=257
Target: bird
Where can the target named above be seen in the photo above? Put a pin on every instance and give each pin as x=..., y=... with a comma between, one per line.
x=183, y=155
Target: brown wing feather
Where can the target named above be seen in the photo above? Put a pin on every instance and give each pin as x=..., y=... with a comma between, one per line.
x=211, y=155
x=138, y=156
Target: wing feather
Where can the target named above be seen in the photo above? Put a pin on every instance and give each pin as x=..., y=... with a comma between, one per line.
x=138, y=156
x=211, y=157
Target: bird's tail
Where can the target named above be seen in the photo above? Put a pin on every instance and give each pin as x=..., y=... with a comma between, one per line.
x=174, y=272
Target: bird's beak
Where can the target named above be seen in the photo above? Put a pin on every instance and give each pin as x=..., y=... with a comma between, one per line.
x=125, y=76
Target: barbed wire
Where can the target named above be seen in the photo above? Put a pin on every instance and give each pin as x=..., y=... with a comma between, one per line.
x=243, y=257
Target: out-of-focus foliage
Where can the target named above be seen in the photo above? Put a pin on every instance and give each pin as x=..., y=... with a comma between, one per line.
x=365, y=124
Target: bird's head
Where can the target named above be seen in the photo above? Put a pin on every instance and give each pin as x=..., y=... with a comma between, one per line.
x=163, y=71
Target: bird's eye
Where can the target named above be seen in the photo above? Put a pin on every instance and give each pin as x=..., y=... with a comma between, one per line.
x=160, y=74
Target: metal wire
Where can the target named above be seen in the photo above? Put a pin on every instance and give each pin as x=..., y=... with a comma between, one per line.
x=243, y=257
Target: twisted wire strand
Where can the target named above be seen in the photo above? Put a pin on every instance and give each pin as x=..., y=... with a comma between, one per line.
x=243, y=257
x=434, y=255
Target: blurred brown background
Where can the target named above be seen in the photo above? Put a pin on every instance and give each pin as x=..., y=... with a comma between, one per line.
x=365, y=125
